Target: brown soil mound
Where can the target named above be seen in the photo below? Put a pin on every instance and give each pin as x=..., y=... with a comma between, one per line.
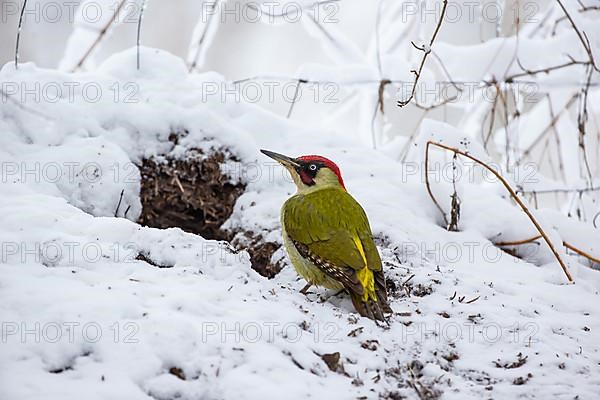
x=194, y=194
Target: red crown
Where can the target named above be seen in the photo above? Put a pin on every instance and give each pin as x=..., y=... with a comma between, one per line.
x=327, y=162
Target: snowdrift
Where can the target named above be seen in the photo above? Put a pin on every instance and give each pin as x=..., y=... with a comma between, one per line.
x=95, y=305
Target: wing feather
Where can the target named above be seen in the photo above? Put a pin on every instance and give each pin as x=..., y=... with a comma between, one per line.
x=333, y=226
x=331, y=229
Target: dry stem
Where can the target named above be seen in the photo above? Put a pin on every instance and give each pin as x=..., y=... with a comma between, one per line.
x=509, y=189
x=100, y=36
x=426, y=52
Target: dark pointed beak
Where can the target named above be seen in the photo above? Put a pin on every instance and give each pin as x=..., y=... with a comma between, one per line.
x=280, y=158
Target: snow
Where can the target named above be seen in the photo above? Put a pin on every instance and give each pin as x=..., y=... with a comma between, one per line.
x=83, y=316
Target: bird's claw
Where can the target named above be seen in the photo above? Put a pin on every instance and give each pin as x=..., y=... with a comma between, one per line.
x=304, y=290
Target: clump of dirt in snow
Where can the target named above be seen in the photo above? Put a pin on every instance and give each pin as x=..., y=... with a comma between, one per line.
x=261, y=253
x=191, y=193
x=194, y=193
x=411, y=376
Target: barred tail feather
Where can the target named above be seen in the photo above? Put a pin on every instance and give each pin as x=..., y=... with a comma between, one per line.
x=381, y=292
x=369, y=308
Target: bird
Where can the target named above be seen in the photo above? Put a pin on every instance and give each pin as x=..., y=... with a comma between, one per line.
x=327, y=235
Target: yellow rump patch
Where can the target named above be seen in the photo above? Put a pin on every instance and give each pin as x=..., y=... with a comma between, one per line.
x=360, y=249
x=365, y=275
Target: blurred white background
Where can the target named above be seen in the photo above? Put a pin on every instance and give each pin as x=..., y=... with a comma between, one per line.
x=348, y=47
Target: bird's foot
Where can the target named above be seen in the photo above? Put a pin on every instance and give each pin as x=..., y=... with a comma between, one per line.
x=304, y=290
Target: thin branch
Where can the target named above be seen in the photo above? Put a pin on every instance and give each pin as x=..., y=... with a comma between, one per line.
x=492, y=117
x=582, y=118
x=581, y=252
x=380, y=92
x=358, y=82
x=373, y=118
x=518, y=242
x=435, y=105
x=455, y=200
x=549, y=126
x=581, y=10
x=99, y=37
x=582, y=36
x=446, y=72
x=566, y=244
x=119, y=203
x=429, y=187
x=300, y=81
x=560, y=190
x=202, y=38
x=561, y=164
x=139, y=30
x=19, y=34
x=515, y=56
x=512, y=193
x=545, y=70
x=426, y=52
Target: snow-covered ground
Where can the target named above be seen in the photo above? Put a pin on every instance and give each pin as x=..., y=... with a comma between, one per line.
x=83, y=317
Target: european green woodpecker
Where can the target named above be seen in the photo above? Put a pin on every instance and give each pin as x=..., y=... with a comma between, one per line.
x=327, y=235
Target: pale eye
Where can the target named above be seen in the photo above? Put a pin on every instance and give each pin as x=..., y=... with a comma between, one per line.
x=312, y=167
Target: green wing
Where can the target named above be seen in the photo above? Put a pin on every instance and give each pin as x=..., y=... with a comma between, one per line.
x=333, y=226
x=330, y=227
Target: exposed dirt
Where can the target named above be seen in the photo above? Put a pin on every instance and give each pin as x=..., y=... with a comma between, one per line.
x=191, y=193
x=260, y=252
x=195, y=194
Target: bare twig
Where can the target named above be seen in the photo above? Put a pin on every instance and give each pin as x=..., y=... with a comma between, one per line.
x=582, y=36
x=178, y=182
x=378, y=107
x=546, y=70
x=550, y=125
x=514, y=196
x=435, y=105
x=119, y=203
x=373, y=134
x=561, y=190
x=99, y=37
x=408, y=279
x=446, y=72
x=139, y=30
x=582, y=117
x=426, y=52
x=455, y=200
x=429, y=187
x=534, y=238
x=561, y=164
x=581, y=252
x=381, y=91
x=583, y=9
x=202, y=38
x=518, y=242
x=492, y=117
x=300, y=81
x=19, y=34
